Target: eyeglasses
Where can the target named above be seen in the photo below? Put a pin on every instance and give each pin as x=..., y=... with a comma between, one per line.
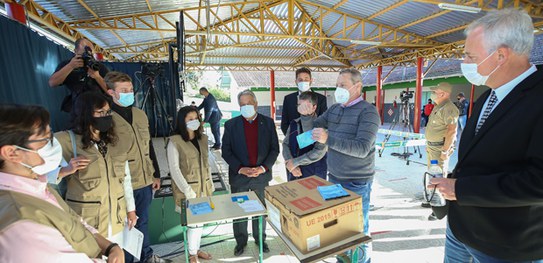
x=104, y=113
x=47, y=140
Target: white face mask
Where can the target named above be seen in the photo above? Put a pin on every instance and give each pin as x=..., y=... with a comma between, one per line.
x=248, y=111
x=469, y=70
x=342, y=95
x=193, y=125
x=303, y=86
x=51, y=155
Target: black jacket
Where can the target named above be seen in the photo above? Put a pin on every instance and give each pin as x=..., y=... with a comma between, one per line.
x=290, y=109
x=212, y=113
x=499, y=174
x=234, y=149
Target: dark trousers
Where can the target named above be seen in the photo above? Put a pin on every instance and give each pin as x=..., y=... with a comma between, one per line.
x=216, y=131
x=240, y=225
x=143, y=198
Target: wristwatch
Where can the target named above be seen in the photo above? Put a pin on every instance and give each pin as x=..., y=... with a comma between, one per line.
x=109, y=248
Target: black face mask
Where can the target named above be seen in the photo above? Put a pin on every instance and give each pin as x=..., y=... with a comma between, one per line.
x=103, y=124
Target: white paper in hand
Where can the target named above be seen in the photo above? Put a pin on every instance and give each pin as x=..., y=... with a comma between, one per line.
x=132, y=241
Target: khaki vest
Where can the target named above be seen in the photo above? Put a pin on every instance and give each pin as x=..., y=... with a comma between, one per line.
x=194, y=167
x=97, y=192
x=17, y=206
x=139, y=161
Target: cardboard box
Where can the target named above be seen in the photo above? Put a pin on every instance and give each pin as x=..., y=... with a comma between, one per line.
x=298, y=210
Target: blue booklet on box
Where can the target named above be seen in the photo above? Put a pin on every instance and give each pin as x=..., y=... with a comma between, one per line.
x=332, y=191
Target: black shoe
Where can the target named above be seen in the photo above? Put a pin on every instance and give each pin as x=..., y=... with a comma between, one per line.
x=426, y=205
x=238, y=250
x=265, y=247
x=215, y=147
x=432, y=217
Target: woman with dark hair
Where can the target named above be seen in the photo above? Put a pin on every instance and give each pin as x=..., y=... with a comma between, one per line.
x=36, y=224
x=99, y=188
x=189, y=167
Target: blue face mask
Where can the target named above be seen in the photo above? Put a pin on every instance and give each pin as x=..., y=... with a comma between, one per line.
x=126, y=99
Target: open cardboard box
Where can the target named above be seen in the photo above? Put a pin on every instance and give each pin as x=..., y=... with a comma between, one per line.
x=298, y=210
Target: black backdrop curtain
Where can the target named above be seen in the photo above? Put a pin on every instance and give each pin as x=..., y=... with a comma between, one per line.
x=27, y=60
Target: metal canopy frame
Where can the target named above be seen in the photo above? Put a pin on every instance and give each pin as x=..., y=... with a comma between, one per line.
x=247, y=35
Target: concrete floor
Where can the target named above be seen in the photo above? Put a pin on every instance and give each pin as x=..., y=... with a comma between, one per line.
x=398, y=224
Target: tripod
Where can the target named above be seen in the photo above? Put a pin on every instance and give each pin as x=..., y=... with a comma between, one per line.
x=406, y=126
x=158, y=110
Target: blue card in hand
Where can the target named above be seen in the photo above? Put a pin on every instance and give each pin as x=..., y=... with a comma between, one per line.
x=305, y=139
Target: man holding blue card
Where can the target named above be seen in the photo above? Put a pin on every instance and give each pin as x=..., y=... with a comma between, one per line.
x=349, y=128
x=303, y=156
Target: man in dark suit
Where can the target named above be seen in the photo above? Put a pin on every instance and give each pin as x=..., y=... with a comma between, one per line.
x=290, y=103
x=496, y=190
x=212, y=116
x=250, y=147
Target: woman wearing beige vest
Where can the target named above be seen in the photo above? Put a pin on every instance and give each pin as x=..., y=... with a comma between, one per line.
x=189, y=167
x=36, y=225
x=99, y=186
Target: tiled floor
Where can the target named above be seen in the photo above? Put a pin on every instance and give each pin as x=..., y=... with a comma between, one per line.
x=399, y=226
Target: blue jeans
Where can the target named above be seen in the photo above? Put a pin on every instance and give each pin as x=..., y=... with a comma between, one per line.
x=363, y=188
x=457, y=252
x=143, y=198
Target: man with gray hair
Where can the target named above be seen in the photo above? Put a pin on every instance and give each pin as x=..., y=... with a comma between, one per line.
x=250, y=147
x=349, y=129
x=495, y=192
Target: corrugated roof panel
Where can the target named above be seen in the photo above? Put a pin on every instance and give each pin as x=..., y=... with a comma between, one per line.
x=161, y=5
x=364, y=8
x=139, y=36
x=106, y=37
x=68, y=10
x=106, y=8
x=253, y=52
x=406, y=13
x=441, y=23
x=324, y=62
x=452, y=37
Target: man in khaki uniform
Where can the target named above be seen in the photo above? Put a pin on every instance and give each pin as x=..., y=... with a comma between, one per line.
x=441, y=129
x=141, y=158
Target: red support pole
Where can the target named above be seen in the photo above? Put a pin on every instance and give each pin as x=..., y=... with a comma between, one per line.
x=418, y=96
x=16, y=12
x=378, y=92
x=472, y=93
x=272, y=94
x=364, y=95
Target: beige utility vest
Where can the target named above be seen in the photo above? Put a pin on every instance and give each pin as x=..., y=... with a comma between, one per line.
x=194, y=166
x=97, y=192
x=139, y=161
x=17, y=206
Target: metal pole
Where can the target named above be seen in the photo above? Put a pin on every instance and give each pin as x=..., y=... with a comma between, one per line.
x=378, y=92
x=272, y=94
x=418, y=96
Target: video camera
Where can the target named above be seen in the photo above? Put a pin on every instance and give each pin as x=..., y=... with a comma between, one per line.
x=406, y=95
x=152, y=70
x=88, y=59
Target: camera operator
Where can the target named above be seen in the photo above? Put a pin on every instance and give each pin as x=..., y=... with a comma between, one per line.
x=80, y=74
